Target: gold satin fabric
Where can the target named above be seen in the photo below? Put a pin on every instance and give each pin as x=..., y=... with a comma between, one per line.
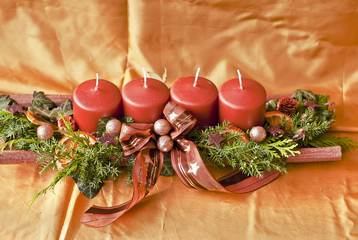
x=53, y=46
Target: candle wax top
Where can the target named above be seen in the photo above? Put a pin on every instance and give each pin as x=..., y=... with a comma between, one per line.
x=154, y=94
x=203, y=93
x=103, y=98
x=252, y=94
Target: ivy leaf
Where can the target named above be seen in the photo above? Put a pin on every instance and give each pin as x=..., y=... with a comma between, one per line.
x=167, y=169
x=65, y=105
x=43, y=106
x=5, y=101
x=126, y=119
x=41, y=100
x=301, y=94
x=271, y=105
x=87, y=190
x=101, y=125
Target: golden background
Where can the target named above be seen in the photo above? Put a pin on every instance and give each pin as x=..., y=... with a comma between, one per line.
x=53, y=46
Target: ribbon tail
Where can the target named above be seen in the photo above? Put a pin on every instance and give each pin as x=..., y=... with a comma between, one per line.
x=146, y=171
x=192, y=171
x=237, y=182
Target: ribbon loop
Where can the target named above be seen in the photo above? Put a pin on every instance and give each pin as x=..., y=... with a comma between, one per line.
x=179, y=118
x=136, y=136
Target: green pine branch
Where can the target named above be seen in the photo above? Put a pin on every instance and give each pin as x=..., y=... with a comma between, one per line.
x=250, y=157
x=325, y=141
x=90, y=164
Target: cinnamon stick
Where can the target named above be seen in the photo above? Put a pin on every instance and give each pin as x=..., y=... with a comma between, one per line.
x=322, y=154
x=307, y=154
x=17, y=157
x=26, y=99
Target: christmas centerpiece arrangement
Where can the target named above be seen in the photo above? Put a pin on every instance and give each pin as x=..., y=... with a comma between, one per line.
x=147, y=130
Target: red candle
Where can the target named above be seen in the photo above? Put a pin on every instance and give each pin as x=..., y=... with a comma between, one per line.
x=243, y=107
x=200, y=100
x=144, y=99
x=95, y=99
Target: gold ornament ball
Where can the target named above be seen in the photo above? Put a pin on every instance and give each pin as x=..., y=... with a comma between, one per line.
x=165, y=143
x=44, y=132
x=162, y=127
x=257, y=134
x=113, y=126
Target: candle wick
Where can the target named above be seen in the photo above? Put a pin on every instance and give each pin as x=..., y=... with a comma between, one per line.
x=145, y=78
x=240, y=80
x=196, y=77
x=96, y=87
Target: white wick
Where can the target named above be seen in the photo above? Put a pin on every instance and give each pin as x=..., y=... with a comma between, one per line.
x=239, y=74
x=96, y=87
x=145, y=78
x=196, y=77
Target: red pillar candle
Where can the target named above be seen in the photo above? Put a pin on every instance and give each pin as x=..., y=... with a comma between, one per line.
x=201, y=99
x=95, y=99
x=243, y=107
x=144, y=99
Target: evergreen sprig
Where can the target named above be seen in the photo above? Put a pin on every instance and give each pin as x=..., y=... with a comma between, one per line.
x=90, y=165
x=250, y=157
x=330, y=141
x=14, y=127
x=312, y=125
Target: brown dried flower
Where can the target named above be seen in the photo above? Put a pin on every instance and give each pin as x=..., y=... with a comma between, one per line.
x=61, y=125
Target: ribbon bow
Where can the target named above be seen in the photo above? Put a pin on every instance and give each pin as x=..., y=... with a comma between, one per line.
x=190, y=167
x=186, y=161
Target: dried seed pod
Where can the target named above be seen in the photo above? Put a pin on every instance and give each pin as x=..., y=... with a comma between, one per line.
x=61, y=124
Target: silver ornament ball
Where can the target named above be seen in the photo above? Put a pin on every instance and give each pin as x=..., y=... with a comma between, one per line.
x=165, y=143
x=162, y=127
x=258, y=134
x=113, y=126
x=44, y=132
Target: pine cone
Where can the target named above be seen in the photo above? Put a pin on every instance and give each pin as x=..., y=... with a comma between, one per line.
x=287, y=105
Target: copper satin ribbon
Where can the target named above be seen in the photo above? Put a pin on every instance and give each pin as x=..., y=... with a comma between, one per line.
x=190, y=167
x=148, y=164
x=186, y=161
